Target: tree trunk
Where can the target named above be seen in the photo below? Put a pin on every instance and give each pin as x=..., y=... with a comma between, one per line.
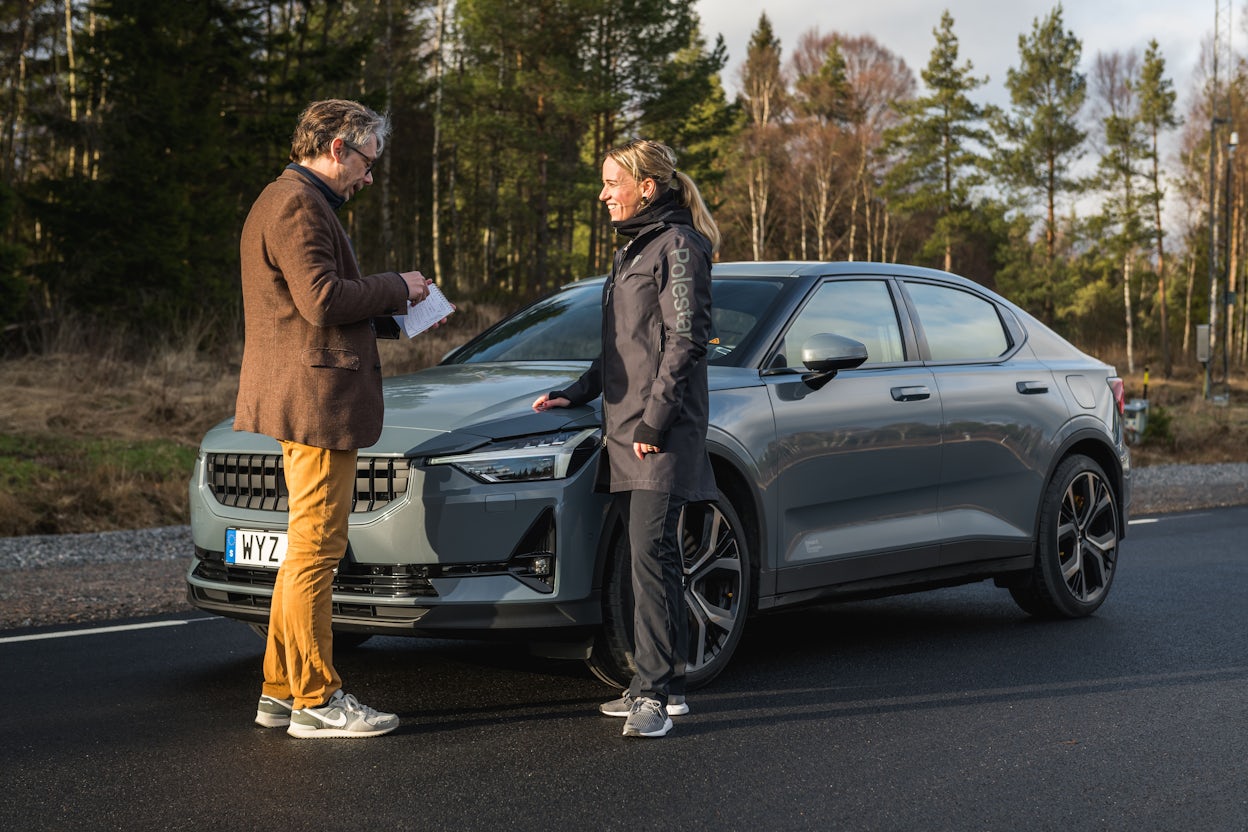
x=1167, y=364
x=1126, y=302
x=388, y=246
x=435, y=208
x=14, y=123
x=759, y=187
x=71, y=66
x=1187, y=307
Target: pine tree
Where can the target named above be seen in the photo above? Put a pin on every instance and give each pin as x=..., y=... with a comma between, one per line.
x=691, y=112
x=937, y=146
x=628, y=66
x=146, y=223
x=1156, y=114
x=1040, y=140
x=764, y=99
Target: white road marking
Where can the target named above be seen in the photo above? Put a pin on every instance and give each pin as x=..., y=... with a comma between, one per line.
x=121, y=628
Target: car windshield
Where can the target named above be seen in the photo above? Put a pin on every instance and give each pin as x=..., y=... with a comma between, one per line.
x=567, y=326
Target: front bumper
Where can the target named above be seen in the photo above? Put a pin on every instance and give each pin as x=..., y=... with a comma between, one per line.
x=447, y=558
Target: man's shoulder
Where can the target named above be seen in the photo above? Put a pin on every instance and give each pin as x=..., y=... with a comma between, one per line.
x=289, y=186
x=288, y=194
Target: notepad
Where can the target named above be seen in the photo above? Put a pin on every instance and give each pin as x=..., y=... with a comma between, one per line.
x=425, y=314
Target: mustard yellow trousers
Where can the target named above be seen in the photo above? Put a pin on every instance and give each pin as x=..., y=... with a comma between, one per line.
x=299, y=655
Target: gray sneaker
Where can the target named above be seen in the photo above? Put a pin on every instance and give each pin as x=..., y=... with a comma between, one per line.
x=647, y=719
x=342, y=716
x=676, y=706
x=273, y=712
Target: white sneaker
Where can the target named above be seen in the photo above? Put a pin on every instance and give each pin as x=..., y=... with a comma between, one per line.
x=342, y=716
x=676, y=706
x=272, y=712
x=647, y=718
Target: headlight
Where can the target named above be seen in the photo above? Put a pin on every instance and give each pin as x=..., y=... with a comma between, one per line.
x=550, y=456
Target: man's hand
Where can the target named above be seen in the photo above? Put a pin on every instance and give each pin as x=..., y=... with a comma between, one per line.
x=417, y=286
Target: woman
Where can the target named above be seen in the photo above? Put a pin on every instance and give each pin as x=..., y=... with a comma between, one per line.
x=652, y=379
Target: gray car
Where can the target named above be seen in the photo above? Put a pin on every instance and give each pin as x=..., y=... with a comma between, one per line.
x=875, y=429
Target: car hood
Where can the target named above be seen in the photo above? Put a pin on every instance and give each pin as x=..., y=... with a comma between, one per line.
x=450, y=408
x=458, y=407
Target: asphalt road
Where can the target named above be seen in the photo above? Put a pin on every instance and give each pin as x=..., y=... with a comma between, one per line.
x=944, y=711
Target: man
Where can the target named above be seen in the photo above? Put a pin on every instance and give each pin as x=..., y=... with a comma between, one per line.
x=311, y=378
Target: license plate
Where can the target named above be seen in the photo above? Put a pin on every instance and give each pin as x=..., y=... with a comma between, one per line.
x=250, y=547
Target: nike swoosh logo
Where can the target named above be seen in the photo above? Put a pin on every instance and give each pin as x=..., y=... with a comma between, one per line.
x=333, y=723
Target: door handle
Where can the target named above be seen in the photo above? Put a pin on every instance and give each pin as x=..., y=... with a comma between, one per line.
x=911, y=394
x=1030, y=388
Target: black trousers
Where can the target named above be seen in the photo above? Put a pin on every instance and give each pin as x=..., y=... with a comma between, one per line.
x=660, y=622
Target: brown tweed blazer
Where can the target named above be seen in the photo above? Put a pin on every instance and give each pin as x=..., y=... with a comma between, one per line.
x=311, y=373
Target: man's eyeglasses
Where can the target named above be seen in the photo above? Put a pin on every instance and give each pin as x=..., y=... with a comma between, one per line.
x=367, y=161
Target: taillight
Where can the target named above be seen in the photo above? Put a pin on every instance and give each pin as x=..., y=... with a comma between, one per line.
x=1119, y=390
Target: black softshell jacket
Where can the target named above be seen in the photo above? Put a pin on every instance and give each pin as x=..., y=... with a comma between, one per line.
x=652, y=377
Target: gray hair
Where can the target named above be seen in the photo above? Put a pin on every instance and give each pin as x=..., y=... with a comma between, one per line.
x=323, y=121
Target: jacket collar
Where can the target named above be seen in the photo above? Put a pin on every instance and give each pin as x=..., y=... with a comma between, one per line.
x=663, y=211
x=335, y=201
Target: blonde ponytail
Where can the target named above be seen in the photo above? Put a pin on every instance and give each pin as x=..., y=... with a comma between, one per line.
x=691, y=198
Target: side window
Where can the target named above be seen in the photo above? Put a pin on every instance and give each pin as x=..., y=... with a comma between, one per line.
x=959, y=325
x=858, y=309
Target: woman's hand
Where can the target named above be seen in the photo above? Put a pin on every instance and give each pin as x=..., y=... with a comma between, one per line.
x=544, y=402
x=640, y=449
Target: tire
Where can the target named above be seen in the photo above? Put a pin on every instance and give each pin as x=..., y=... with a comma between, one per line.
x=1077, y=549
x=342, y=640
x=718, y=583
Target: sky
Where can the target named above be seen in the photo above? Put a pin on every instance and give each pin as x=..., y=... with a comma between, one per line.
x=987, y=31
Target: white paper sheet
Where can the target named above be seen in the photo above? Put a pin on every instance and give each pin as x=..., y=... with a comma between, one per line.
x=425, y=314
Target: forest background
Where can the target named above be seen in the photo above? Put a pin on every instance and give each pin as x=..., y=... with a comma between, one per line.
x=134, y=136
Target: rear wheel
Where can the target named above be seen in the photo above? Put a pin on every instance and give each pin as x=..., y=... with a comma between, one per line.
x=717, y=586
x=1078, y=546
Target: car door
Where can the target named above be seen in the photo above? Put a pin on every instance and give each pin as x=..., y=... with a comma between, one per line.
x=858, y=459
x=1001, y=411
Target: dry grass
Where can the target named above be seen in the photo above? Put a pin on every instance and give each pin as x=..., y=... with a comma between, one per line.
x=1184, y=426
x=95, y=437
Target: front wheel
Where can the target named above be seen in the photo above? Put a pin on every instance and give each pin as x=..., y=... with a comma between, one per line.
x=717, y=585
x=1078, y=546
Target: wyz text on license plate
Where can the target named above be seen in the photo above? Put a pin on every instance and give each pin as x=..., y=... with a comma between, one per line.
x=251, y=547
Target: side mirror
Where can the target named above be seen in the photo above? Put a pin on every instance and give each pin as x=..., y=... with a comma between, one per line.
x=826, y=354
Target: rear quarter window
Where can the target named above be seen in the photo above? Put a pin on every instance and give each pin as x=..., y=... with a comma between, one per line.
x=958, y=325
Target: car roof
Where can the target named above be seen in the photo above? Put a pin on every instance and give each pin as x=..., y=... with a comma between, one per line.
x=811, y=268
x=819, y=268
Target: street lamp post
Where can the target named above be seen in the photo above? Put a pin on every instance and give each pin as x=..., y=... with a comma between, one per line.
x=1213, y=249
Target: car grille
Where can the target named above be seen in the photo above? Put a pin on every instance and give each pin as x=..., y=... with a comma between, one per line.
x=256, y=481
x=351, y=578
